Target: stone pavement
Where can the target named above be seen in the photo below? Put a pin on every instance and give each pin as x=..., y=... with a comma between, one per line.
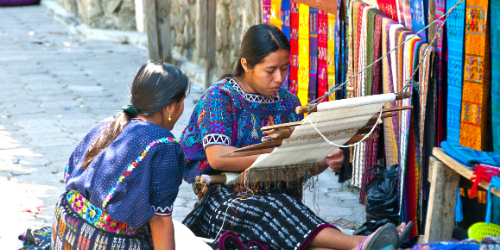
x=53, y=88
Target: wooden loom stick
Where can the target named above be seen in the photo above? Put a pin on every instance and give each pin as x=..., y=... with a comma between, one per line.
x=287, y=133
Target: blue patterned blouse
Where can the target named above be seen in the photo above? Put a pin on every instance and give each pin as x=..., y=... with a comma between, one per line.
x=226, y=115
x=137, y=176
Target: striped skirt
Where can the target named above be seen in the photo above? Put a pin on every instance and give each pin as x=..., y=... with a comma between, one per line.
x=71, y=231
x=277, y=221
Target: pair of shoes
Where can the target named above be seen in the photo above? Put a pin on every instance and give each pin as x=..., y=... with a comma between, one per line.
x=388, y=238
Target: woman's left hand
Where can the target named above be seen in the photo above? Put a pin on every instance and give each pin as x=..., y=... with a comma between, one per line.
x=335, y=159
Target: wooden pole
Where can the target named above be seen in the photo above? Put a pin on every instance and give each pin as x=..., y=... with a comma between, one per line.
x=210, y=40
x=158, y=28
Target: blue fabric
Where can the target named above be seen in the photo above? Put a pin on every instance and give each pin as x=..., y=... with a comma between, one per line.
x=459, y=210
x=458, y=245
x=495, y=182
x=226, y=115
x=150, y=188
x=469, y=156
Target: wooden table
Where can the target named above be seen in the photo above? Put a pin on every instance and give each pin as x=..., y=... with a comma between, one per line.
x=444, y=176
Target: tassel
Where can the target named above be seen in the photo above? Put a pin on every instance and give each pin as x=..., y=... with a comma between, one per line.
x=459, y=211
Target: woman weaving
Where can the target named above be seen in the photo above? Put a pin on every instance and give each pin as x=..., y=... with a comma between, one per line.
x=229, y=116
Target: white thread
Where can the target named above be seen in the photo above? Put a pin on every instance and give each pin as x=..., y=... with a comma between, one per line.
x=208, y=179
x=351, y=145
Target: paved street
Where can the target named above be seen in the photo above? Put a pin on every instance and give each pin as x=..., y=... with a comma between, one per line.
x=53, y=88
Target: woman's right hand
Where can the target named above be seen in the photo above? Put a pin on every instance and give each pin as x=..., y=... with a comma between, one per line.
x=227, y=164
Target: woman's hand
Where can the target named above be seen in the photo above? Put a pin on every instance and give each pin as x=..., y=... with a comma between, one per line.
x=335, y=159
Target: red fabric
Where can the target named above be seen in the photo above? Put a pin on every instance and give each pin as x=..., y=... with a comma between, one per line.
x=294, y=46
x=389, y=8
x=484, y=173
x=322, y=53
x=411, y=182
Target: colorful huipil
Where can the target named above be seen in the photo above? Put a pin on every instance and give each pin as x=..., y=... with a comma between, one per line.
x=495, y=73
x=313, y=53
x=266, y=10
x=418, y=17
x=474, y=119
x=390, y=8
x=331, y=55
x=455, y=36
x=323, y=54
x=226, y=115
x=303, y=72
x=294, y=47
x=285, y=28
x=441, y=119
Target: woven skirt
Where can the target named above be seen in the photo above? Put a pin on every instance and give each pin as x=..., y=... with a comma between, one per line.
x=71, y=231
x=277, y=221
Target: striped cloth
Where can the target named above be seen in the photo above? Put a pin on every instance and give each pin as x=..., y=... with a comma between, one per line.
x=418, y=17
x=303, y=72
x=323, y=54
x=313, y=53
x=285, y=28
x=474, y=119
x=455, y=42
x=331, y=54
x=441, y=119
x=294, y=46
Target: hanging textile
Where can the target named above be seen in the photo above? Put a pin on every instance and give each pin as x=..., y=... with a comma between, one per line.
x=441, y=120
x=495, y=71
x=285, y=28
x=275, y=13
x=370, y=41
x=390, y=129
x=407, y=14
x=358, y=16
x=313, y=53
x=350, y=61
x=294, y=46
x=303, y=72
x=266, y=10
x=418, y=17
x=323, y=56
x=455, y=36
x=331, y=52
x=377, y=53
x=390, y=8
x=473, y=130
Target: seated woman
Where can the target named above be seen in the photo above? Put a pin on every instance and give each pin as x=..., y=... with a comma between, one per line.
x=123, y=177
x=229, y=116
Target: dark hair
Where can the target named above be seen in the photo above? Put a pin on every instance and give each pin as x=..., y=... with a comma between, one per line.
x=257, y=43
x=155, y=86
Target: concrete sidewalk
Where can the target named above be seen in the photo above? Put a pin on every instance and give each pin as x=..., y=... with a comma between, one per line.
x=53, y=88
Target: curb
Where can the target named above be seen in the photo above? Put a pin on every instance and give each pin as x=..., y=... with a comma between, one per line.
x=195, y=73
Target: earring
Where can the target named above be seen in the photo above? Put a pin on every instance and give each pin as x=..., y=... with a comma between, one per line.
x=169, y=118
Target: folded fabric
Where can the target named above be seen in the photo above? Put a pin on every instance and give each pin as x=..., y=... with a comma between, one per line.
x=469, y=156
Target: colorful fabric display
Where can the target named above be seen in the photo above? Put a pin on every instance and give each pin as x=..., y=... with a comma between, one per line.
x=495, y=73
x=313, y=53
x=474, y=119
x=294, y=47
x=303, y=72
x=455, y=36
x=441, y=120
x=285, y=28
x=407, y=14
x=390, y=9
x=418, y=17
x=482, y=173
x=331, y=52
x=323, y=55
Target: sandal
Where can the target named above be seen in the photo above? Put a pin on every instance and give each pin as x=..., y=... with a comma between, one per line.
x=386, y=237
x=404, y=234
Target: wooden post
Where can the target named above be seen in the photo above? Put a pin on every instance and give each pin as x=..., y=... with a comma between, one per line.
x=442, y=200
x=210, y=38
x=431, y=18
x=158, y=28
x=202, y=29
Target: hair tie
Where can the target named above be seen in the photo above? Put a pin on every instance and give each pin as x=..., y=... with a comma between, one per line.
x=130, y=109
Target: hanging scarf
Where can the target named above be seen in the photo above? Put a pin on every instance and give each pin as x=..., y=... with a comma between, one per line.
x=441, y=121
x=357, y=41
x=418, y=17
x=377, y=53
x=495, y=73
x=390, y=131
x=331, y=53
x=390, y=8
x=455, y=43
x=285, y=28
x=294, y=46
x=407, y=14
x=352, y=24
x=303, y=72
x=323, y=56
x=473, y=130
x=275, y=13
x=313, y=53
x=266, y=7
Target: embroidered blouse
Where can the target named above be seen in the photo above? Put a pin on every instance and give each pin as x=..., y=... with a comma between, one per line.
x=226, y=115
x=137, y=176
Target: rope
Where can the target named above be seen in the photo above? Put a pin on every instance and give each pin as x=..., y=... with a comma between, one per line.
x=351, y=145
x=410, y=82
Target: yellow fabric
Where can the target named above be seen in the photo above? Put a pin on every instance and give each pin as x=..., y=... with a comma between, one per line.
x=303, y=72
x=331, y=54
x=475, y=95
x=275, y=15
x=391, y=147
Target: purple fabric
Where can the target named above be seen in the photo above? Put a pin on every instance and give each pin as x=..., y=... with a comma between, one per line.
x=313, y=235
x=18, y=2
x=237, y=244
